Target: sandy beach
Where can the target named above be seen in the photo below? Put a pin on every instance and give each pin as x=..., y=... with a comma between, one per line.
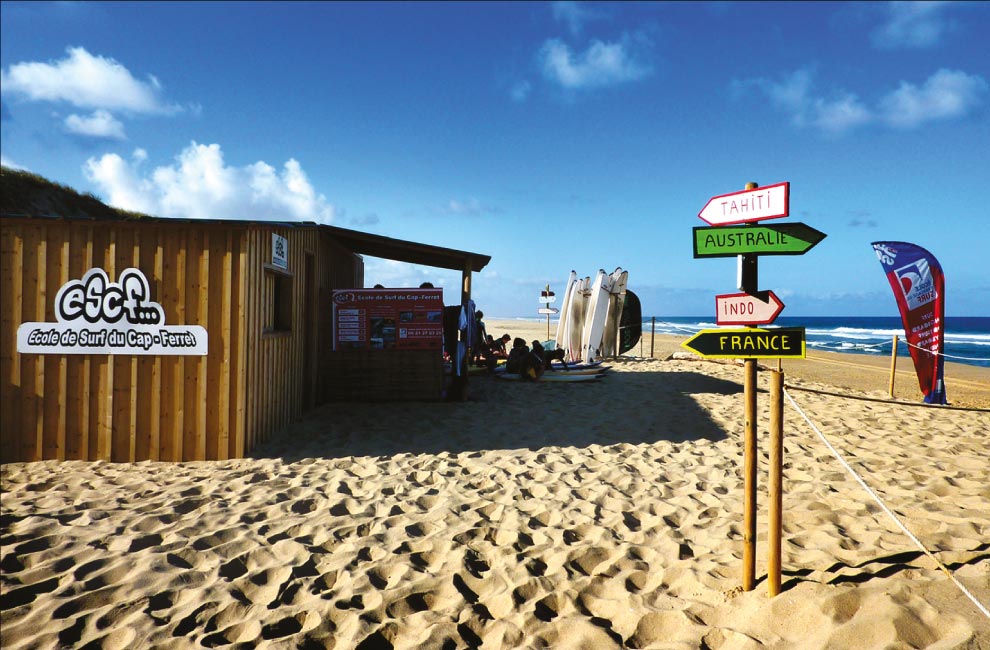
x=597, y=515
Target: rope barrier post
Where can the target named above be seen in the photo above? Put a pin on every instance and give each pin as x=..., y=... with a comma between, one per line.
x=893, y=366
x=776, y=481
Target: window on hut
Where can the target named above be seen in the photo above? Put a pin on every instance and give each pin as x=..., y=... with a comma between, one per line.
x=278, y=301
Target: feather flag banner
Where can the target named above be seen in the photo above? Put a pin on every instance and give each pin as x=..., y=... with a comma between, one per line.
x=919, y=288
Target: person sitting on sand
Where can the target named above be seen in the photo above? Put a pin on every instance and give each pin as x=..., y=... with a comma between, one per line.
x=524, y=362
x=497, y=346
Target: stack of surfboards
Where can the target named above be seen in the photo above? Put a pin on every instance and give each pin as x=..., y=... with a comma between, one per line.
x=588, y=327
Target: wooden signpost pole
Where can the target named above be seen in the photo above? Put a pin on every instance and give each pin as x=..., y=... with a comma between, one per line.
x=748, y=283
x=548, y=316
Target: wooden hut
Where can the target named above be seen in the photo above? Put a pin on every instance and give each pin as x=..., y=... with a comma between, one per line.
x=260, y=290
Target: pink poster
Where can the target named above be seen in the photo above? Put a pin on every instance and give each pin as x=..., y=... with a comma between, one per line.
x=387, y=319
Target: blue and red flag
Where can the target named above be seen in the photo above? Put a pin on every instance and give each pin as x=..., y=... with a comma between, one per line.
x=919, y=288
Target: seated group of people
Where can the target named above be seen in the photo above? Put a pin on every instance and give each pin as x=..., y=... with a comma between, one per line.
x=490, y=351
x=531, y=364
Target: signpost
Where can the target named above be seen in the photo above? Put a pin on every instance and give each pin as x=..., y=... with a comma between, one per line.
x=747, y=309
x=547, y=297
x=754, y=204
x=776, y=239
x=752, y=307
x=749, y=343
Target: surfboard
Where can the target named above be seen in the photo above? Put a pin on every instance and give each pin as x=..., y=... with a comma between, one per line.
x=595, y=365
x=560, y=341
x=576, y=371
x=553, y=377
x=575, y=324
x=594, y=325
x=631, y=322
x=617, y=296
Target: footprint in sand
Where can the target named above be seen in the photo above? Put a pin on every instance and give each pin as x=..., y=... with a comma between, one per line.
x=587, y=561
x=475, y=563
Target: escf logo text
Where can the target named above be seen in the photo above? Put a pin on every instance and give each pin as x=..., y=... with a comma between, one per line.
x=96, y=316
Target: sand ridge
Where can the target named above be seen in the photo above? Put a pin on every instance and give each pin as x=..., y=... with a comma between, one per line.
x=603, y=515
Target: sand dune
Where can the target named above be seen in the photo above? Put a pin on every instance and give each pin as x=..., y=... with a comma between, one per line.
x=600, y=515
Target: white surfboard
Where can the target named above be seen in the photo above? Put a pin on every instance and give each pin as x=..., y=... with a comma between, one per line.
x=617, y=297
x=593, y=370
x=594, y=324
x=575, y=318
x=564, y=306
x=553, y=377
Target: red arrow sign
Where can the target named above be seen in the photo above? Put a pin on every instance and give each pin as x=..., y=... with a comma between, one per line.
x=747, y=309
x=770, y=202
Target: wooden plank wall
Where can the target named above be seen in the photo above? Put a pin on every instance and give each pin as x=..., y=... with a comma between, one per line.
x=278, y=367
x=119, y=408
x=115, y=407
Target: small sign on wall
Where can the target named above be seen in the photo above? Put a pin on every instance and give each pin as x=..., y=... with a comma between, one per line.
x=280, y=252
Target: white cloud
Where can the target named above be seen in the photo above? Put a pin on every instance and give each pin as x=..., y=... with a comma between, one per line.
x=394, y=275
x=200, y=185
x=472, y=207
x=602, y=64
x=574, y=14
x=520, y=91
x=840, y=115
x=946, y=94
x=85, y=81
x=100, y=124
x=791, y=93
x=912, y=24
x=7, y=162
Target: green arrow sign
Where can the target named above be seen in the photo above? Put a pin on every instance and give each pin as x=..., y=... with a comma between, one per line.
x=749, y=343
x=777, y=239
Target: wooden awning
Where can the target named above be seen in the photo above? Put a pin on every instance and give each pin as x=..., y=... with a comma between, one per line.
x=407, y=251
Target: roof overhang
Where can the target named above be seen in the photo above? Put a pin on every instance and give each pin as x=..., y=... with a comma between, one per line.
x=407, y=251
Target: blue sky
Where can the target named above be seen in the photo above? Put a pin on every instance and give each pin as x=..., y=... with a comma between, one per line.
x=551, y=136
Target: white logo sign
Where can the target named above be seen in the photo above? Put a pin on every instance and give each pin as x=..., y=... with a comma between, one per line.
x=916, y=282
x=280, y=251
x=96, y=316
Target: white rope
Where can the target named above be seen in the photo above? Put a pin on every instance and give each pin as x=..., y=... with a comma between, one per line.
x=875, y=345
x=887, y=510
x=941, y=354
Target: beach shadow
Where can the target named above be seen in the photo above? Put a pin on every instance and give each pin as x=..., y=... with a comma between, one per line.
x=622, y=408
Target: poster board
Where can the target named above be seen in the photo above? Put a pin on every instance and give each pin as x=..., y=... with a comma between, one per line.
x=387, y=319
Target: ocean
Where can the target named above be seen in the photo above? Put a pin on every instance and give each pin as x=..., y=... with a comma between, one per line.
x=967, y=339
